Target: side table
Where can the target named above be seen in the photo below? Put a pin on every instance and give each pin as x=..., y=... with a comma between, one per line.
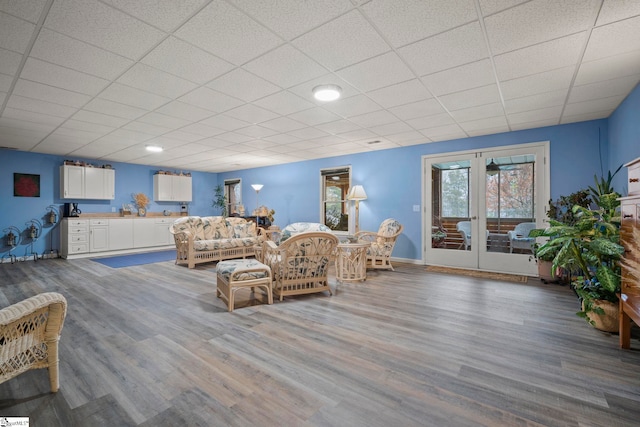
x=351, y=262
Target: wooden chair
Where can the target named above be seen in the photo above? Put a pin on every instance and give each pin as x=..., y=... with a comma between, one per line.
x=29, y=335
x=300, y=264
x=382, y=243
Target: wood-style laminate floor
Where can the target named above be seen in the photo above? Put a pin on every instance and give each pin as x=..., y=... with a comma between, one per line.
x=151, y=345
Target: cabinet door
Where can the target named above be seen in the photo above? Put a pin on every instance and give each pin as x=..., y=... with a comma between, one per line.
x=182, y=191
x=109, y=183
x=144, y=231
x=72, y=182
x=162, y=188
x=93, y=183
x=99, y=239
x=120, y=234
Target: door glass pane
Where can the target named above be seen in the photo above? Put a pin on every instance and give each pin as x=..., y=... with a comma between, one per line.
x=451, y=227
x=510, y=197
x=334, y=201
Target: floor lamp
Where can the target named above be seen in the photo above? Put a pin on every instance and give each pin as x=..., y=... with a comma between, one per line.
x=357, y=193
x=257, y=187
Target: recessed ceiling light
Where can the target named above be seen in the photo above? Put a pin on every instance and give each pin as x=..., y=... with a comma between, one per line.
x=153, y=148
x=327, y=92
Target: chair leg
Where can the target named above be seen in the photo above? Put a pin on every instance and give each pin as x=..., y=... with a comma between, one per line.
x=53, y=366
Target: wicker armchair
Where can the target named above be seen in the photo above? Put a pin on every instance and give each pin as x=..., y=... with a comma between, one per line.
x=382, y=243
x=29, y=335
x=301, y=263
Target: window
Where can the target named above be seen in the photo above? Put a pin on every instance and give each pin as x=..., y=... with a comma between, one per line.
x=511, y=191
x=335, y=186
x=233, y=195
x=455, y=193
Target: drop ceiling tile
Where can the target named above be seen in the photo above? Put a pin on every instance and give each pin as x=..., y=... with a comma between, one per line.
x=380, y=71
x=49, y=93
x=617, y=10
x=163, y=120
x=100, y=25
x=283, y=124
x=15, y=33
x=375, y=118
x=344, y=41
x=478, y=112
x=228, y=33
x=179, y=135
x=39, y=106
x=401, y=93
x=390, y=128
x=593, y=106
x=185, y=111
x=611, y=67
x=64, y=78
x=187, y=61
x=496, y=124
x=585, y=116
x=359, y=135
x=147, y=128
x=225, y=122
x=251, y=114
x=471, y=98
x=338, y=127
x=540, y=58
x=258, y=145
x=308, y=133
x=457, y=79
x=75, y=135
x=210, y=100
x=411, y=136
x=5, y=83
x=234, y=137
x=528, y=103
x=431, y=121
x=165, y=14
x=555, y=80
x=412, y=110
x=152, y=80
x=443, y=133
x=354, y=106
x=285, y=66
x=314, y=116
x=202, y=130
x=539, y=21
x=604, y=89
x=487, y=130
x=489, y=7
x=27, y=10
x=284, y=103
x=30, y=116
x=100, y=119
x=24, y=141
x=408, y=21
x=447, y=50
x=551, y=113
x=8, y=124
x=290, y=18
x=244, y=85
x=60, y=145
x=104, y=106
x=130, y=96
x=256, y=131
x=67, y=52
x=9, y=62
x=532, y=125
x=87, y=127
x=606, y=41
x=127, y=137
x=282, y=138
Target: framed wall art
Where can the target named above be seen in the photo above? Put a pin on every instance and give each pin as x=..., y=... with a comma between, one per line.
x=26, y=185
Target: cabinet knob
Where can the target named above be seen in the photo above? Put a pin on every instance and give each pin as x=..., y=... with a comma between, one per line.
x=633, y=179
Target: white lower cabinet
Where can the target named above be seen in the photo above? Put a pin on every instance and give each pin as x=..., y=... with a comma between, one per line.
x=94, y=235
x=120, y=234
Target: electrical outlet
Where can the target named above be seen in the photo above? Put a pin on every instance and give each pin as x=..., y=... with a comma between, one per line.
x=113, y=208
x=416, y=208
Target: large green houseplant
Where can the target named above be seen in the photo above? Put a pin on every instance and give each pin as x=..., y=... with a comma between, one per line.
x=590, y=251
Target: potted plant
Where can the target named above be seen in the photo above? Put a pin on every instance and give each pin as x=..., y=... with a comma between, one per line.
x=141, y=201
x=219, y=200
x=590, y=251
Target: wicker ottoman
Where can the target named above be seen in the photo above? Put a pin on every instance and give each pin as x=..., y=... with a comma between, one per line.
x=242, y=273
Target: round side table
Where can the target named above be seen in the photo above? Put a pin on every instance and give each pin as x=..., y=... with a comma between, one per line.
x=351, y=262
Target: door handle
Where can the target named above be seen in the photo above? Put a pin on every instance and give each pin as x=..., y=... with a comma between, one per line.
x=474, y=217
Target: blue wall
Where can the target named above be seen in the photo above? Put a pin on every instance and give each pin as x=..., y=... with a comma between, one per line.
x=391, y=177
x=624, y=137
x=130, y=178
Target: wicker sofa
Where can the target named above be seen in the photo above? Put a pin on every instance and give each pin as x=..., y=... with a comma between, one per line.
x=214, y=238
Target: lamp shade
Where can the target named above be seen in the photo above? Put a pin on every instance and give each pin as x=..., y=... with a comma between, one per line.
x=257, y=187
x=357, y=193
x=492, y=168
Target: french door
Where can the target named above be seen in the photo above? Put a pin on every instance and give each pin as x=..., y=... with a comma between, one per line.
x=480, y=205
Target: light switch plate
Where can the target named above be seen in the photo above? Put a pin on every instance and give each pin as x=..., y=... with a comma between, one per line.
x=416, y=208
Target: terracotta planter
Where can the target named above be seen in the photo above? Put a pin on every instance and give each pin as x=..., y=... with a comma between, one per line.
x=607, y=322
x=544, y=271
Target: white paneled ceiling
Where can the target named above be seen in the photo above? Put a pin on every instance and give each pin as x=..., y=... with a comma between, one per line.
x=227, y=84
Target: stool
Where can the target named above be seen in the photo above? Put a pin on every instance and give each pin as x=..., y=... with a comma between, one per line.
x=242, y=273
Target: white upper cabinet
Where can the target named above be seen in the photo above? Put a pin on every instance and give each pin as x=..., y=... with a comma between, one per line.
x=172, y=188
x=79, y=182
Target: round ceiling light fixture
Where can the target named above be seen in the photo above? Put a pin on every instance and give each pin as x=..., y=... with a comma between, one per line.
x=327, y=92
x=153, y=148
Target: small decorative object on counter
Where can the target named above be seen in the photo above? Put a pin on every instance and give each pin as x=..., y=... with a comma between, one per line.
x=142, y=201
